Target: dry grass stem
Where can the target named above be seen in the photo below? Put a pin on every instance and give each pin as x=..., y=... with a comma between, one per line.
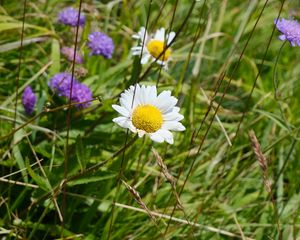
x=261, y=160
x=138, y=198
x=168, y=176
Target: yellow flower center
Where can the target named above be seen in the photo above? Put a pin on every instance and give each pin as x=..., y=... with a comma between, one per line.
x=147, y=118
x=156, y=47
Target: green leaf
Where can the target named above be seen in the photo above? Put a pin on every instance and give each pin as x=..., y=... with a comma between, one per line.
x=81, y=153
x=18, y=136
x=13, y=45
x=40, y=181
x=90, y=179
x=13, y=25
x=55, y=57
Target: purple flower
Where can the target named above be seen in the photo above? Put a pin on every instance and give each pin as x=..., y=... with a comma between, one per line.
x=61, y=83
x=290, y=30
x=100, y=44
x=69, y=54
x=28, y=100
x=82, y=93
x=69, y=16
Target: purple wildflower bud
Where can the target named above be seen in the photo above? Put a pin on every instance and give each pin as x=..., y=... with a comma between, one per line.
x=69, y=54
x=28, y=100
x=82, y=93
x=290, y=30
x=61, y=83
x=100, y=44
x=69, y=16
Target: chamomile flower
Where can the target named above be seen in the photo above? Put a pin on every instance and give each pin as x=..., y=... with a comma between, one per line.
x=146, y=113
x=153, y=48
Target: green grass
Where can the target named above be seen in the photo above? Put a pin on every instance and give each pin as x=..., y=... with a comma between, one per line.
x=92, y=180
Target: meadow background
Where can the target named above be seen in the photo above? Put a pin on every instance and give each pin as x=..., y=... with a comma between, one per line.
x=69, y=173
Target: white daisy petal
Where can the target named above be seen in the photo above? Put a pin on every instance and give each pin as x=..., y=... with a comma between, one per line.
x=165, y=102
x=160, y=35
x=136, y=36
x=172, y=116
x=138, y=48
x=123, y=111
x=121, y=121
x=167, y=135
x=141, y=133
x=126, y=104
x=173, y=125
x=170, y=38
x=143, y=33
x=176, y=109
x=131, y=127
x=135, y=53
x=145, y=58
x=160, y=62
x=156, y=137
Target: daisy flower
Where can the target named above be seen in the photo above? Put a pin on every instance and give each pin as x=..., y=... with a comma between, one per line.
x=146, y=113
x=290, y=30
x=153, y=47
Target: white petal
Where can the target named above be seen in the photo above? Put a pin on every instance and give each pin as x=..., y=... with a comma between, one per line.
x=167, y=135
x=140, y=34
x=138, y=48
x=176, y=109
x=136, y=92
x=165, y=102
x=152, y=95
x=126, y=103
x=160, y=35
x=121, y=121
x=172, y=116
x=141, y=133
x=173, y=125
x=129, y=94
x=136, y=36
x=143, y=33
x=163, y=63
x=123, y=111
x=170, y=37
x=145, y=58
x=131, y=127
x=156, y=137
x=135, y=53
x=160, y=62
x=142, y=96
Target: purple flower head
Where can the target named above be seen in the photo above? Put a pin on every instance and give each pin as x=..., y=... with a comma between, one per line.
x=100, y=44
x=28, y=100
x=61, y=83
x=290, y=30
x=69, y=54
x=81, y=93
x=69, y=16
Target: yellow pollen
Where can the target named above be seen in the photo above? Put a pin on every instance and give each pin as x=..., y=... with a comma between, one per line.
x=156, y=47
x=147, y=118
